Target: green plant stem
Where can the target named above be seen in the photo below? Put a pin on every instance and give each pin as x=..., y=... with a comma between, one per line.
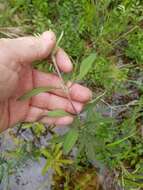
x=124, y=35
x=64, y=87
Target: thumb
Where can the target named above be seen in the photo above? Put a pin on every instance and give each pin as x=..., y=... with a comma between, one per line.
x=29, y=49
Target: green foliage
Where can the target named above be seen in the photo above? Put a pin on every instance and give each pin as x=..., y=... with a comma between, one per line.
x=58, y=113
x=94, y=136
x=54, y=159
x=35, y=92
x=107, y=143
x=12, y=161
x=106, y=74
x=70, y=140
x=37, y=128
x=86, y=65
x=135, y=47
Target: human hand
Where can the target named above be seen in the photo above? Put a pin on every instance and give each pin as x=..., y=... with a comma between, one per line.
x=17, y=77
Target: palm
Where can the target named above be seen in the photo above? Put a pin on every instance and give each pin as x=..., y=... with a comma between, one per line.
x=19, y=109
x=17, y=77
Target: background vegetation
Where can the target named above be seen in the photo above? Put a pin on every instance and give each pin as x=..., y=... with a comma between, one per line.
x=111, y=139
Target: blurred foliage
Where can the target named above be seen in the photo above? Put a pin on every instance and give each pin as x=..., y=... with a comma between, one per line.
x=135, y=47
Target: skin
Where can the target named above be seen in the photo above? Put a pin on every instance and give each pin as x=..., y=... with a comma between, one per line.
x=17, y=77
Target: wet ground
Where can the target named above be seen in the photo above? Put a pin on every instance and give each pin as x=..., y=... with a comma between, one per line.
x=29, y=176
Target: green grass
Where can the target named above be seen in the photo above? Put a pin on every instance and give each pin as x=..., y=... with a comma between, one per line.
x=114, y=31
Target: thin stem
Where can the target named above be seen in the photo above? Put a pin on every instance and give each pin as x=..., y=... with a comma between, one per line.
x=60, y=38
x=125, y=34
x=98, y=98
x=64, y=87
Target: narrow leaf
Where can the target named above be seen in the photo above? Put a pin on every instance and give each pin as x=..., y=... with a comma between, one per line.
x=58, y=139
x=86, y=65
x=46, y=167
x=57, y=113
x=27, y=126
x=121, y=140
x=90, y=151
x=70, y=140
x=34, y=92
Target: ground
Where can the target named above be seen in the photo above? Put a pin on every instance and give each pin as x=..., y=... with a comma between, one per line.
x=110, y=130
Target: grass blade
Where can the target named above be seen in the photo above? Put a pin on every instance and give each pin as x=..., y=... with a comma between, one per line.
x=121, y=140
x=34, y=92
x=57, y=113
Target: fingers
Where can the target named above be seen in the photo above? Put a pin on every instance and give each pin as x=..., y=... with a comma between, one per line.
x=29, y=49
x=60, y=121
x=35, y=113
x=52, y=102
x=63, y=61
x=77, y=92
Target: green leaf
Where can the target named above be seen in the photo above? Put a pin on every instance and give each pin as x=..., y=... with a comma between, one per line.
x=70, y=140
x=57, y=113
x=27, y=126
x=46, y=153
x=58, y=139
x=34, y=92
x=121, y=140
x=90, y=151
x=46, y=167
x=86, y=65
